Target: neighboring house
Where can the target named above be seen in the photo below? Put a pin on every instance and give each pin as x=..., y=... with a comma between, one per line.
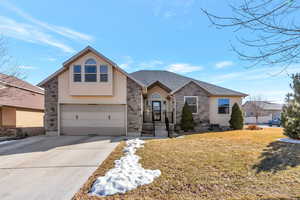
x=21, y=106
x=91, y=94
x=262, y=111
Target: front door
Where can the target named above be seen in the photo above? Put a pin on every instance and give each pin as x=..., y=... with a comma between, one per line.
x=156, y=109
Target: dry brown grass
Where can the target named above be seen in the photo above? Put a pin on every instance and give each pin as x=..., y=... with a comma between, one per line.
x=243, y=164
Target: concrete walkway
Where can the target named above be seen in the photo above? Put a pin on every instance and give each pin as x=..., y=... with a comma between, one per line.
x=50, y=167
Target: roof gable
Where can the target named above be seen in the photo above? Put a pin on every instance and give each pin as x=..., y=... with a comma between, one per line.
x=82, y=53
x=161, y=85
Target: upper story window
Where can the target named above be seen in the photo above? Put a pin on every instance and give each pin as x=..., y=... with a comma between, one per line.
x=103, y=73
x=90, y=70
x=77, y=73
x=192, y=102
x=223, y=106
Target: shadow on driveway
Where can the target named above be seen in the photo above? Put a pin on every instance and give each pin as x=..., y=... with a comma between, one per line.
x=46, y=143
x=278, y=156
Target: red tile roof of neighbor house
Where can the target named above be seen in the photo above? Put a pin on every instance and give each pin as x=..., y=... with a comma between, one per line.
x=18, y=93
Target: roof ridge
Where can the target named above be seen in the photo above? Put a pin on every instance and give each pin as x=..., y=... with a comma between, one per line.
x=12, y=83
x=181, y=81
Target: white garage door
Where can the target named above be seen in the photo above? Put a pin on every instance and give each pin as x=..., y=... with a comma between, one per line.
x=106, y=120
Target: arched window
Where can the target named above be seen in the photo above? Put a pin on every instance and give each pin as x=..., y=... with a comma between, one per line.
x=156, y=96
x=90, y=70
x=90, y=61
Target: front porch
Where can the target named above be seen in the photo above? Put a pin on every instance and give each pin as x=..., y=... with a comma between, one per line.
x=158, y=111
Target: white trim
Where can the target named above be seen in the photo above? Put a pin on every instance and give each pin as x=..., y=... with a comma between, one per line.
x=155, y=93
x=191, y=81
x=196, y=102
x=90, y=65
x=107, y=67
x=229, y=108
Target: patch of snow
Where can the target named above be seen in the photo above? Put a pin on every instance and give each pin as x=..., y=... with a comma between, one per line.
x=127, y=174
x=6, y=141
x=289, y=140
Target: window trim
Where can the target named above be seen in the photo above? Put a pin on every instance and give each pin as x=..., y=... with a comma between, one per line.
x=89, y=65
x=197, y=103
x=75, y=73
x=219, y=106
x=103, y=73
x=156, y=93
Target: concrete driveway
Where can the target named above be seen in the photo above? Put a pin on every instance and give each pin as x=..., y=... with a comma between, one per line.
x=50, y=167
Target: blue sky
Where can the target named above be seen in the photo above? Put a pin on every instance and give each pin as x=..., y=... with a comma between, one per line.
x=136, y=34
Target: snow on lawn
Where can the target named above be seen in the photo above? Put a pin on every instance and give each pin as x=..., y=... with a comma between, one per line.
x=127, y=174
x=289, y=140
x=6, y=141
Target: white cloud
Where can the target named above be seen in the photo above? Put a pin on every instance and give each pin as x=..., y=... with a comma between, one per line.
x=169, y=14
x=183, y=68
x=27, y=67
x=223, y=64
x=63, y=31
x=37, y=31
x=50, y=59
x=151, y=64
x=127, y=62
x=169, y=9
x=256, y=74
x=29, y=33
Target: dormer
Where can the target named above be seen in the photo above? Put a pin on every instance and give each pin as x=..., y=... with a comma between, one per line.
x=91, y=75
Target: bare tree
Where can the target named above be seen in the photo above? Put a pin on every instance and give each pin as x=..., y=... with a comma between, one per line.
x=254, y=107
x=273, y=29
x=9, y=73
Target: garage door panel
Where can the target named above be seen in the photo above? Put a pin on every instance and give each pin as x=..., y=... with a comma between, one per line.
x=105, y=131
x=91, y=123
x=93, y=119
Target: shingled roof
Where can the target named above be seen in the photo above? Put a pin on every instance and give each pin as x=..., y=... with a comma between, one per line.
x=175, y=82
x=18, y=93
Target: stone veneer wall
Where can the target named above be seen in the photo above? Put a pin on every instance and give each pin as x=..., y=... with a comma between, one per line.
x=134, y=107
x=202, y=118
x=30, y=131
x=51, y=100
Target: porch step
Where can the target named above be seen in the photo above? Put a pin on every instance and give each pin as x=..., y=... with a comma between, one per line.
x=147, y=135
x=160, y=130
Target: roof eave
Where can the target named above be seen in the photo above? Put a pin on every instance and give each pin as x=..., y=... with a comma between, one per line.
x=188, y=82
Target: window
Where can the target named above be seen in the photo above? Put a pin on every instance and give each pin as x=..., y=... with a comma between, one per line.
x=155, y=96
x=90, y=71
x=223, y=106
x=77, y=73
x=103, y=73
x=192, y=102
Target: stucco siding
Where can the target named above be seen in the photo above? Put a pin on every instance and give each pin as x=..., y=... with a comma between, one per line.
x=221, y=119
x=119, y=91
x=29, y=118
x=83, y=88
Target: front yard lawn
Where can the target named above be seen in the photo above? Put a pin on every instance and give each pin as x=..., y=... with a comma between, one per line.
x=222, y=165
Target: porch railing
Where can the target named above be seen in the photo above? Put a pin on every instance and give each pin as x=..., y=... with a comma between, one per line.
x=148, y=117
